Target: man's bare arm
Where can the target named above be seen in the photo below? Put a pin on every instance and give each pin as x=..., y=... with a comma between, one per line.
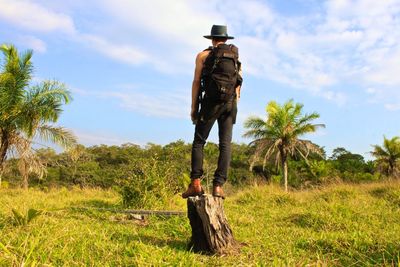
x=238, y=92
x=196, y=83
x=237, y=89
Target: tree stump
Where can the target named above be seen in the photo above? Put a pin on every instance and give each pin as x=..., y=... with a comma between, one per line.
x=210, y=229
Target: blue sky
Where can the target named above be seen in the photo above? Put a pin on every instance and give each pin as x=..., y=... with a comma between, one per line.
x=129, y=63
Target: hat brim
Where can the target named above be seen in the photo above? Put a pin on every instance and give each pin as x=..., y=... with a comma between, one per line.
x=218, y=36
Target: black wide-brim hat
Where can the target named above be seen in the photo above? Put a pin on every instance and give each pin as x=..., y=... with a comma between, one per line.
x=219, y=31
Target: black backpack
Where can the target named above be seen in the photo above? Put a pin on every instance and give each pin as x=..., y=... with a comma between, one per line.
x=220, y=74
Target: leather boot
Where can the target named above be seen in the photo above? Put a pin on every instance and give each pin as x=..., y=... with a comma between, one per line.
x=218, y=192
x=194, y=189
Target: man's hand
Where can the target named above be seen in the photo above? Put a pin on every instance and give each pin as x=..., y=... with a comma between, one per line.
x=194, y=115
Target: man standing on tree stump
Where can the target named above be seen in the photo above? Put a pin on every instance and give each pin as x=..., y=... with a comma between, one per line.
x=216, y=91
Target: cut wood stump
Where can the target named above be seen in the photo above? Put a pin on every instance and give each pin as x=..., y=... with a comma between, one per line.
x=211, y=233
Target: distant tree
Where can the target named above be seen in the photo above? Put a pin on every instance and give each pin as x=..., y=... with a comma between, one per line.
x=278, y=135
x=75, y=154
x=27, y=112
x=344, y=161
x=339, y=152
x=388, y=155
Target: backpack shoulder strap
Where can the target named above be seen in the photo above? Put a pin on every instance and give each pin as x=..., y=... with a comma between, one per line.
x=238, y=64
x=234, y=54
x=234, y=50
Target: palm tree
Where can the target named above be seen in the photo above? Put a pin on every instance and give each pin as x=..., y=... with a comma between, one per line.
x=388, y=155
x=278, y=135
x=27, y=113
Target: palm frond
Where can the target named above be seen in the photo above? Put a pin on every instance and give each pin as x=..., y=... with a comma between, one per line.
x=49, y=90
x=29, y=163
x=307, y=128
x=307, y=118
x=255, y=133
x=43, y=104
x=57, y=135
x=14, y=78
x=379, y=152
x=254, y=123
x=305, y=147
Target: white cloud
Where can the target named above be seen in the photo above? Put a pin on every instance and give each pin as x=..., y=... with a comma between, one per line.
x=33, y=42
x=35, y=17
x=387, y=68
x=96, y=138
x=178, y=22
x=389, y=96
x=174, y=104
x=123, y=53
x=392, y=107
x=163, y=105
x=169, y=32
x=356, y=43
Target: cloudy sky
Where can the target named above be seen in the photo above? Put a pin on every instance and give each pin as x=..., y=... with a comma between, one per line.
x=129, y=63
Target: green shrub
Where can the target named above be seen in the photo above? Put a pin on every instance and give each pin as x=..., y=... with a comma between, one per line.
x=22, y=220
x=239, y=176
x=276, y=179
x=360, y=177
x=4, y=184
x=151, y=184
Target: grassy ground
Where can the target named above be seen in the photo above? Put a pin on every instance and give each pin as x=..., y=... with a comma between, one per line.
x=341, y=225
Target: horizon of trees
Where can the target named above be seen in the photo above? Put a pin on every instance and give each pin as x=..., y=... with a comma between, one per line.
x=276, y=154
x=88, y=166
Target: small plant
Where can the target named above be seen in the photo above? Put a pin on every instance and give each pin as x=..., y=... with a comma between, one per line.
x=22, y=220
x=151, y=184
x=4, y=185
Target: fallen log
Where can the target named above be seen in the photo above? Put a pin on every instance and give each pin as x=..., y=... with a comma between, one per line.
x=211, y=232
x=138, y=212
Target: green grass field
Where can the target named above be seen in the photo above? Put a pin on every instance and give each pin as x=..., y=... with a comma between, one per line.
x=342, y=225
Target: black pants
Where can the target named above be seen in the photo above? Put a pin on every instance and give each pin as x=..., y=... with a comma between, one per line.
x=225, y=115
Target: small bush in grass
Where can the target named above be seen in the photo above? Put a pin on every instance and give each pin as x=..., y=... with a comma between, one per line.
x=276, y=179
x=151, y=184
x=22, y=220
x=283, y=199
